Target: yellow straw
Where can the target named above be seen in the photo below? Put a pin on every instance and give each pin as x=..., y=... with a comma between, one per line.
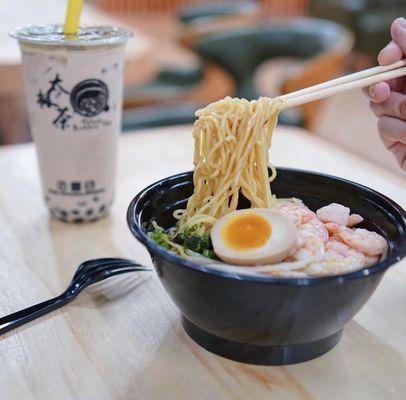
x=73, y=16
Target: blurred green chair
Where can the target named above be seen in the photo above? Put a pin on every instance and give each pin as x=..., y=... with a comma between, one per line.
x=162, y=101
x=202, y=12
x=200, y=20
x=173, y=82
x=158, y=115
x=373, y=30
x=370, y=20
x=169, y=84
x=240, y=52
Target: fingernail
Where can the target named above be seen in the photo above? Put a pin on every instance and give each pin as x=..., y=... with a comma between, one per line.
x=371, y=91
x=390, y=45
x=402, y=22
x=400, y=28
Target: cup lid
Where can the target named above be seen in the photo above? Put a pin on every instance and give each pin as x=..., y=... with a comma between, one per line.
x=88, y=35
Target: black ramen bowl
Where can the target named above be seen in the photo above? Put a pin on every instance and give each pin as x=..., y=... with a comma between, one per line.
x=263, y=319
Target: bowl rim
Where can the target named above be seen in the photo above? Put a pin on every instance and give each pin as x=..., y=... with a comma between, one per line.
x=155, y=249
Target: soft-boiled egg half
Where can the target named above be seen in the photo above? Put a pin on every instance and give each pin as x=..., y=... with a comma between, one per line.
x=253, y=236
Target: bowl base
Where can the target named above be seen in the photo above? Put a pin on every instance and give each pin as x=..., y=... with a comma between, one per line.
x=257, y=354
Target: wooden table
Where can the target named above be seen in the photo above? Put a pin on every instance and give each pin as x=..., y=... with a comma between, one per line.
x=130, y=345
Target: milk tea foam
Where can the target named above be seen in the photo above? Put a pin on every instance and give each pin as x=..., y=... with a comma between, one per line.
x=74, y=98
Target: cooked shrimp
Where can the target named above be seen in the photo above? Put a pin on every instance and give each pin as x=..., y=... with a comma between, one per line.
x=338, y=251
x=332, y=228
x=298, y=213
x=338, y=258
x=331, y=267
x=311, y=232
x=312, y=248
x=370, y=261
x=338, y=214
x=316, y=227
x=335, y=213
x=354, y=219
x=303, y=218
x=316, y=268
x=369, y=243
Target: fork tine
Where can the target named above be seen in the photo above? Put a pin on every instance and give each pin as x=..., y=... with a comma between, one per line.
x=106, y=267
x=133, y=265
x=88, y=265
x=109, y=259
x=111, y=272
x=105, y=273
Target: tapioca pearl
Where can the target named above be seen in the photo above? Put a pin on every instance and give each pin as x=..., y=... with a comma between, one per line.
x=82, y=204
x=75, y=212
x=63, y=213
x=89, y=211
x=102, y=208
x=78, y=220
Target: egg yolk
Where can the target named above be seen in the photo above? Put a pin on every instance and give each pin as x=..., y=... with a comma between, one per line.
x=246, y=232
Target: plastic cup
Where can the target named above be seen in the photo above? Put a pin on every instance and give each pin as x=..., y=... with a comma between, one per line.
x=74, y=90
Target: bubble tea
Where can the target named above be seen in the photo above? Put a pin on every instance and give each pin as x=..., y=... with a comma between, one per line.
x=74, y=96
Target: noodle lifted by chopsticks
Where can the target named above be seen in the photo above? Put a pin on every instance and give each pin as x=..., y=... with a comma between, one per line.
x=232, y=141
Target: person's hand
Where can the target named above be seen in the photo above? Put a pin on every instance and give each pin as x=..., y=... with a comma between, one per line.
x=388, y=99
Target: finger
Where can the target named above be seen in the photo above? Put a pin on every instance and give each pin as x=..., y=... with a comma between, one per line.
x=398, y=32
x=397, y=84
x=393, y=106
x=390, y=54
x=378, y=93
x=399, y=151
x=391, y=130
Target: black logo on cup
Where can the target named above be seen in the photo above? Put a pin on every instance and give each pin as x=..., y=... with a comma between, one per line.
x=90, y=97
x=50, y=98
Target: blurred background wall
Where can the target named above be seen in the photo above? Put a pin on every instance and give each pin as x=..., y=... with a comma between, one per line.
x=186, y=53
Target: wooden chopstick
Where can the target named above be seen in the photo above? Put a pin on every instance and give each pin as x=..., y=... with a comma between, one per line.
x=346, y=78
x=352, y=81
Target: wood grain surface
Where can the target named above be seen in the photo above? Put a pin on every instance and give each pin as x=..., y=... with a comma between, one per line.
x=124, y=340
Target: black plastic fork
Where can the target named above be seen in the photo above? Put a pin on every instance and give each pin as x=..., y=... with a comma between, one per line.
x=88, y=273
